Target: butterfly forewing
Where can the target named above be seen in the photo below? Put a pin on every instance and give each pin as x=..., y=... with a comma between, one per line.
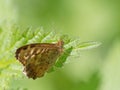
x=38, y=58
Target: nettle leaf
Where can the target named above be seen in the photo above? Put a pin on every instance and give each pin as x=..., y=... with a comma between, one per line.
x=88, y=45
x=63, y=57
x=13, y=37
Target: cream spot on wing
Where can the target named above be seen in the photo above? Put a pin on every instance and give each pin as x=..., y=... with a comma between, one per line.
x=32, y=56
x=26, y=57
x=38, y=51
x=42, y=50
x=31, y=52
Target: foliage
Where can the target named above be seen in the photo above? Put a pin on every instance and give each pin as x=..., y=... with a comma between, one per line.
x=13, y=37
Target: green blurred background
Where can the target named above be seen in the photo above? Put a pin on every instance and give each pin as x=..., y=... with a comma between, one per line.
x=89, y=20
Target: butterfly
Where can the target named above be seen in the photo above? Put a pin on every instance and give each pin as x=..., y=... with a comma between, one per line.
x=38, y=58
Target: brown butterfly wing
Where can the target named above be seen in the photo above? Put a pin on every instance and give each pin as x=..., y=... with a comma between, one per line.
x=23, y=54
x=38, y=58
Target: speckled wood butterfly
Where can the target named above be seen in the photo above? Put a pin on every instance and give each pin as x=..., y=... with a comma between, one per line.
x=37, y=58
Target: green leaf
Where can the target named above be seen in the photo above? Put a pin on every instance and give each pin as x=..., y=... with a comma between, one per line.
x=88, y=45
x=16, y=37
x=63, y=57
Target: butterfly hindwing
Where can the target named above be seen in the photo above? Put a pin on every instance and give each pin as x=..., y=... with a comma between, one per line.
x=38, y=58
